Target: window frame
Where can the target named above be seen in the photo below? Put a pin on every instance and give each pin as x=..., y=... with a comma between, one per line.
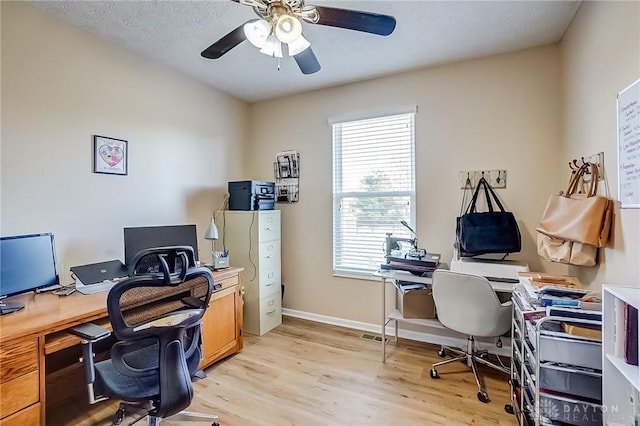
x=339, y=195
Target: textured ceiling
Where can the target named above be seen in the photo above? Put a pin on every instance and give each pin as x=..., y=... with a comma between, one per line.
x=427, y=33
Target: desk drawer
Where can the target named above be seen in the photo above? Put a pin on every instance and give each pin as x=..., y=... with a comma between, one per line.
x=18, y=359
x=228, y=282
x=19, y=393
x=27, y=417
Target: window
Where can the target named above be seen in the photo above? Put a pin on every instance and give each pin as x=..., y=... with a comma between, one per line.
x=373, y=188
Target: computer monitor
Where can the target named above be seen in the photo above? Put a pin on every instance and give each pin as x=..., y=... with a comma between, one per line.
x=27, y=263
x=140, y=238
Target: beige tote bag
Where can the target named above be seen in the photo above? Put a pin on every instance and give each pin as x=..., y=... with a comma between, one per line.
x=583, y=218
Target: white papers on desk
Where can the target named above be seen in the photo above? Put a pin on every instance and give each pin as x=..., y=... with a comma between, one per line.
x=406, y=286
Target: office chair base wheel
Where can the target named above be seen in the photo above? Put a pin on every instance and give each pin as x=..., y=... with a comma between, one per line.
x=442, y=353
x=118, y=417
x=433, y=373
x=509, y=408
x=215, y=424
x=483, y=396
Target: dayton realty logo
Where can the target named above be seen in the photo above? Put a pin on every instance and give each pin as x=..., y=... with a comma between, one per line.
x=574, y=413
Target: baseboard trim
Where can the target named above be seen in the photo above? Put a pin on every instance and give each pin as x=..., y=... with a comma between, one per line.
x=437, y=339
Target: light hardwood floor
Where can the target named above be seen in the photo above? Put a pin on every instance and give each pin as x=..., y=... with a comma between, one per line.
x=307, y=373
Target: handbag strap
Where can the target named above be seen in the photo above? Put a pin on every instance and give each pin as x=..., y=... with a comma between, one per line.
x=489, y=194
x=579, y=176
x=467, y=188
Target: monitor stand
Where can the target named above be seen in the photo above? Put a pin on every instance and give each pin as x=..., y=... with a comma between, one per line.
x=10, y=307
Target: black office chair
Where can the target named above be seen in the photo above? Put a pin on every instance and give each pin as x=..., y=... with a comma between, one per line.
x=156, y=320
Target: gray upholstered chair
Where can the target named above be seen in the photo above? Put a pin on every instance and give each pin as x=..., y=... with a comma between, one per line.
x=468, y=304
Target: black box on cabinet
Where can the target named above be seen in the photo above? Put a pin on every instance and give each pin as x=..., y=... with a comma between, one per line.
x=252, y=195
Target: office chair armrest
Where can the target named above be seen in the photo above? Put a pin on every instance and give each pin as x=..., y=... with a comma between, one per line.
x=89, y=333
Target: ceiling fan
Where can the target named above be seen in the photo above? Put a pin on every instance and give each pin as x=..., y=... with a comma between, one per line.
x=280, y=23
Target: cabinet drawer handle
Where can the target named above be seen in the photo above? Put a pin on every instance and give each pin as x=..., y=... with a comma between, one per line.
x=269, y=285
x=268, y=257
x=267, y=229
x=271, y=312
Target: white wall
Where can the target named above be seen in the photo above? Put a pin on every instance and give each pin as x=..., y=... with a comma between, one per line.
x=527, y=112
x=502, y=112
x=601, y=56
x=60, y=86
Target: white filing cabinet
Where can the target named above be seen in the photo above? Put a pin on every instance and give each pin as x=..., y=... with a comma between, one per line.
x=253, y=241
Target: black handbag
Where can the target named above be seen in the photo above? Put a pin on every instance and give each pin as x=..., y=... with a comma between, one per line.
x=487, y=232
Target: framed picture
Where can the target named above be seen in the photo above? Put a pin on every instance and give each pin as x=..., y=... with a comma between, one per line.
x=110, y=155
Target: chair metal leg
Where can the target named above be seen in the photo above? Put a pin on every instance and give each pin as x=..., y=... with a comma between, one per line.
x=472, y=357
x=456, y=351
x=198, y=415
x=458, y=358
x=474, y=368
x=492, y=365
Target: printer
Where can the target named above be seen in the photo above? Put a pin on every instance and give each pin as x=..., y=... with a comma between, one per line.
x=493, y=270
x=252, y=195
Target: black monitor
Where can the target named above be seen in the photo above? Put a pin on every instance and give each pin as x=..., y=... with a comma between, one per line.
x=27, y=263
x=140, y=238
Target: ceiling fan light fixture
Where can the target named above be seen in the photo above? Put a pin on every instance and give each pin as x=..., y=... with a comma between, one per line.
x=288, y=28
x=272, y=47
x=257, y=32
x=298, y=45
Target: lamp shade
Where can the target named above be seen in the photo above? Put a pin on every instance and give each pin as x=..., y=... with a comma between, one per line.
x=298, y=45
x=288, y=28
x=212, y=231
x=257, y=32
x=272, y=47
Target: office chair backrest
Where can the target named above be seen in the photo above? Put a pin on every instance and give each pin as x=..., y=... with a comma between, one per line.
x=468, y=304
x=158, y=315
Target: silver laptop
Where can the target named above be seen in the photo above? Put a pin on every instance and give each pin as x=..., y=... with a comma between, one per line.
x=97, y=277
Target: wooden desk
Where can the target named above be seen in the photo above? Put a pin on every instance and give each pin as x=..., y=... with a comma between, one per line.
x=29, y=336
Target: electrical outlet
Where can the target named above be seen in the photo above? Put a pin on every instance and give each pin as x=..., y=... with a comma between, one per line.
x=467, y=179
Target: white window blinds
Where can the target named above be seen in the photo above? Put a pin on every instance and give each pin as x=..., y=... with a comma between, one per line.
x=373, y=188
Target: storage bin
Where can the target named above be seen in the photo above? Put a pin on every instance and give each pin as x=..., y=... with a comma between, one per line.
x=564, y=349
x=570, y=412
x=573, y=381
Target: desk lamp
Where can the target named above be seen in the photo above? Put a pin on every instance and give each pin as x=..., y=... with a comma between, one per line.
x=219, y=260
x=212, y=234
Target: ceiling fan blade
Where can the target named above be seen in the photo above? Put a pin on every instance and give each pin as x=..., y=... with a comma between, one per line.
x=307, y=61
x=367, y=22
x=226, y=43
